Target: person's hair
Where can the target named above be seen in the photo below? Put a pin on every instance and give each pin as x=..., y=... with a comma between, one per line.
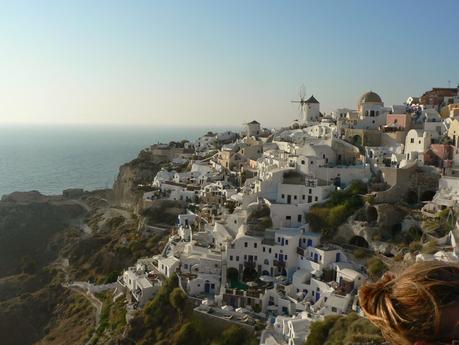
x=406, y=308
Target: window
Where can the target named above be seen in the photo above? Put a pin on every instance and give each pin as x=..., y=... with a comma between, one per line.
x=255, y=258
x=294, y=197
x=283, y=196
x=316, y=198
x=304, y=197
x=310, y=191
x=286, y=242
x=302, y=162
x=275, y=255
x=312, y=162
x=333, y=309
x=299, y=218
x=245, y=257
x=412, y=140
x=255, y=245
x=309, y=198
x=231, y=259
x=288, y=217
x=269, y=251
x=264, y=249
x=245, y=244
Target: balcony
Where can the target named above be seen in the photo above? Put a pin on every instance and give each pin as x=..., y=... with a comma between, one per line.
x=301, y=251
x=249, y=264
x=278, y=263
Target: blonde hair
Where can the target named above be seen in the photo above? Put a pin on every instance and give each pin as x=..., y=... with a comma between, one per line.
x=406, y=307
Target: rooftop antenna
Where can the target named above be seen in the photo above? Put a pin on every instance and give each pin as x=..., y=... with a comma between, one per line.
x=301, y=103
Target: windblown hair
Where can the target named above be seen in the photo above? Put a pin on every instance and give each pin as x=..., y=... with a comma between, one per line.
x=406, y=308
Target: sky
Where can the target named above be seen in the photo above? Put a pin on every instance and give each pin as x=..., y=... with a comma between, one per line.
x=216, y=63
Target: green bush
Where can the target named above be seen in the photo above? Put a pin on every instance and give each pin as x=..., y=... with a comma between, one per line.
x=360, y=253
x=111, y=277
x=415, y=246
x=344, y=330
x=342, y=204
x=430, y=247
x=376, y=268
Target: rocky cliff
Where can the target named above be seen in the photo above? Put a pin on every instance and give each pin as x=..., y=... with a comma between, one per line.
x=140, y=171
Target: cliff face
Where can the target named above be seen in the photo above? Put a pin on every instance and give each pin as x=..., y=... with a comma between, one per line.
x=26, y=232
x=141, y=170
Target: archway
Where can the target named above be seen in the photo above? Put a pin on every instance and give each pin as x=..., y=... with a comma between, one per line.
x=357, y=140
x=427, y=195
x=249, y=274
x=411, y=197
x=372, y=214
x=359, y=241
x=232, y=274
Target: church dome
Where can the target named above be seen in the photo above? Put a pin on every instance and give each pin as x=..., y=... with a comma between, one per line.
x=370, y=97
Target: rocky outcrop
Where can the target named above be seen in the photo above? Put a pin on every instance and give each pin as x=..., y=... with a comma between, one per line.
x=140, y=171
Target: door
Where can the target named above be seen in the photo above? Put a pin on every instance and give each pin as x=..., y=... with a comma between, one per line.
x=207, y=287
x=316, y=258
x=309, y=244
x=281, y=257
x=317, y=296
x=289, y=199
x=338, y=257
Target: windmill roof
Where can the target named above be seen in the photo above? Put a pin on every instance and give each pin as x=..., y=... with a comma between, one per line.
x=312, y=100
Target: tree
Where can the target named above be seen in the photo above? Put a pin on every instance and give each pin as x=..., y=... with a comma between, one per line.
x=234, y=336
x=187, y=335
x=177, y=299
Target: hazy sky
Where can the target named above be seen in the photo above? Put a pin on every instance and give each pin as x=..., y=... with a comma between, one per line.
x=213, y=62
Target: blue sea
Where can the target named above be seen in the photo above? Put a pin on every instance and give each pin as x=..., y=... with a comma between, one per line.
x=51, y=159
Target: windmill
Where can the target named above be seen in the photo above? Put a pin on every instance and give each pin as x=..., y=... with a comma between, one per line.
x=301, y=103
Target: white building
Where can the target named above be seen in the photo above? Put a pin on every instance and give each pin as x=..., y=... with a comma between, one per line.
x=417, y=143
x=253, y=129
x=142, y=284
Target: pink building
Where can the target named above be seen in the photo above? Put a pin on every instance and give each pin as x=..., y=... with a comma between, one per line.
x=399, y=122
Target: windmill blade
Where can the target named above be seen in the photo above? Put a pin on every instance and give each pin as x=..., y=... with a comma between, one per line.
x=302, y=92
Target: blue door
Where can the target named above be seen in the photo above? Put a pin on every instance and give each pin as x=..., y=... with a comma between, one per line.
x=309, y=244
x=317, y=296
x=316, y=258
x=281, y=257
x=338, y=257
x=207, y=287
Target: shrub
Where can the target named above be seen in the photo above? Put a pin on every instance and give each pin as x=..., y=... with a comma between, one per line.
x=111, y=277
x=415, y=246
x=360, y=253
x=430, y=247
x=376, y=268
x=187, y=335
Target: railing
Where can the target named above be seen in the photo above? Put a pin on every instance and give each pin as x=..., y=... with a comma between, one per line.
x=278, y=263
x=300, y=251
x=249, y=264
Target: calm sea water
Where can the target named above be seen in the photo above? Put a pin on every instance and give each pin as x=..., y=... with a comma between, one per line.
x=50, y=159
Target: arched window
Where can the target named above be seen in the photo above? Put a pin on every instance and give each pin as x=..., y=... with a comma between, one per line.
x=266, y=262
